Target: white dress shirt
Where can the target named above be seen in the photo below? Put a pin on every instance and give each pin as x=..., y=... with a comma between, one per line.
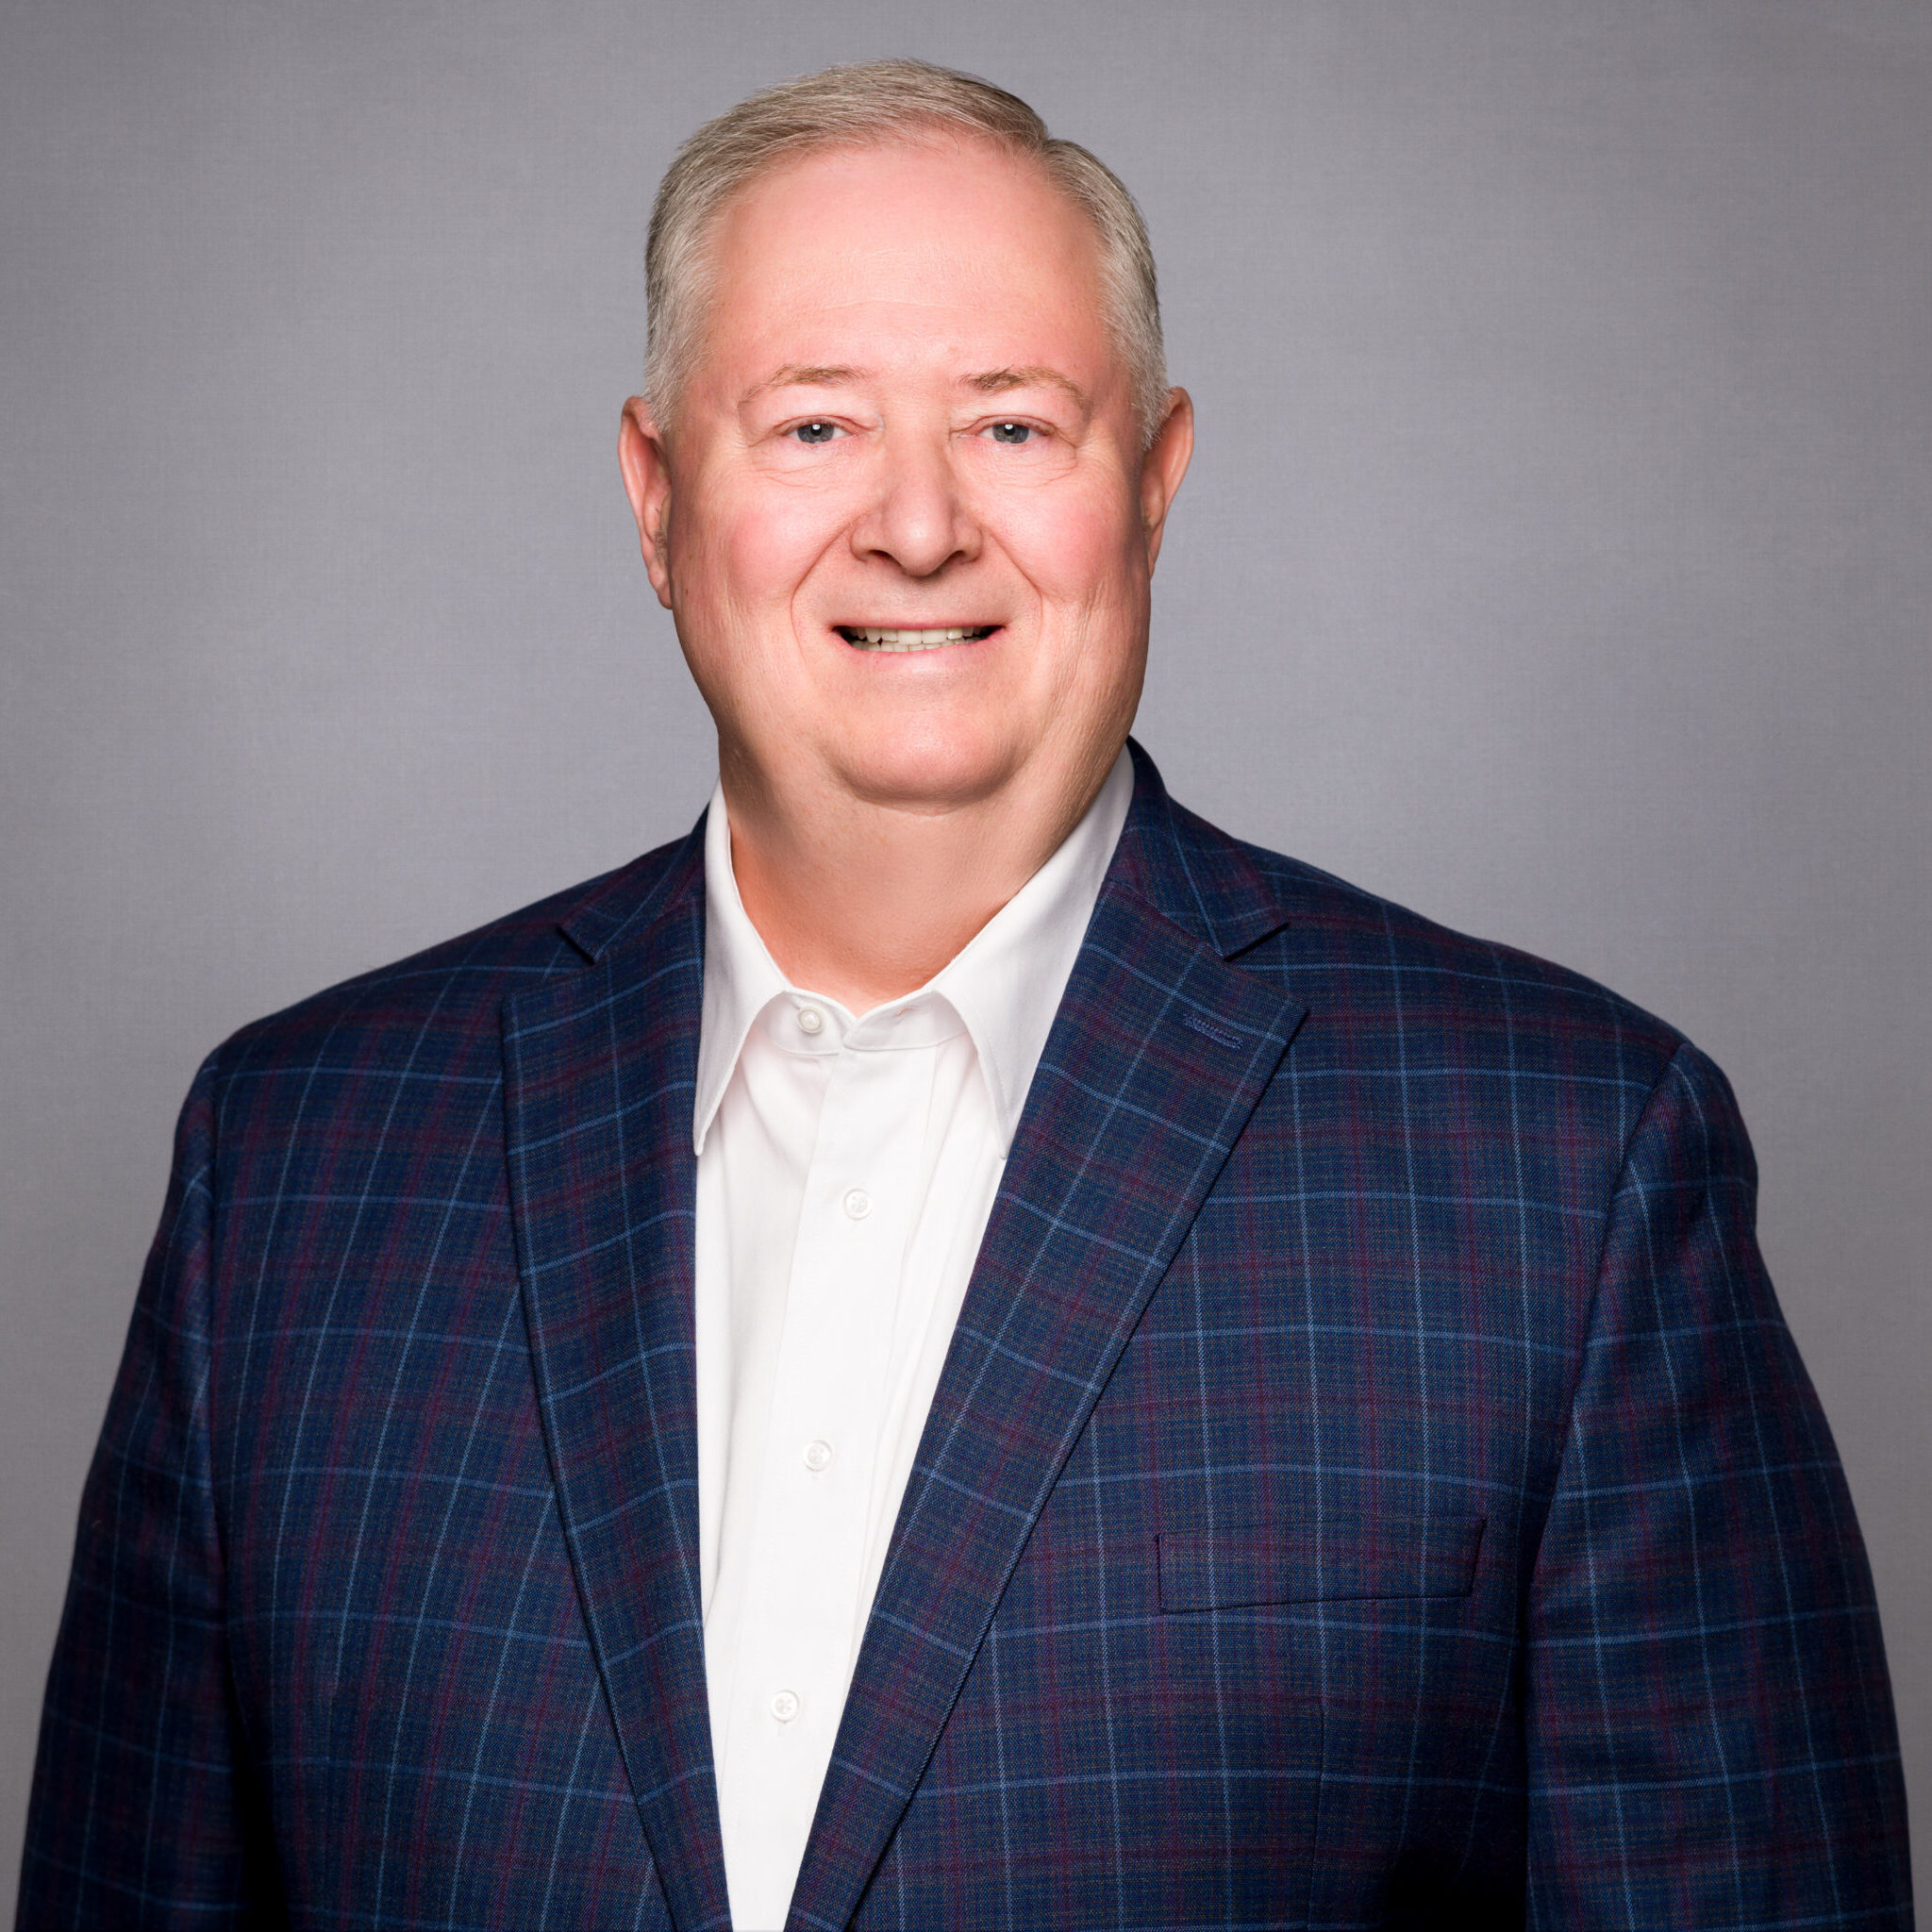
x=846, y=1167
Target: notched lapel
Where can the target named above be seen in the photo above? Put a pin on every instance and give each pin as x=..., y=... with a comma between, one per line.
x=600, y=1067
x=1158, y=1056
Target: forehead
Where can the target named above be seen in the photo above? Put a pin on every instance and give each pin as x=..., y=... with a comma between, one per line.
x=912, y=237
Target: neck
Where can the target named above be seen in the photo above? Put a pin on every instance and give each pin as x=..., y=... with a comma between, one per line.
x=865, y=901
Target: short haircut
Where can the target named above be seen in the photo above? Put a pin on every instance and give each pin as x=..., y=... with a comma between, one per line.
x=865, y=106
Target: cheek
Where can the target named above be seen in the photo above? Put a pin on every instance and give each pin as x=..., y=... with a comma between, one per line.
x=1081, y=553
x=745, y=553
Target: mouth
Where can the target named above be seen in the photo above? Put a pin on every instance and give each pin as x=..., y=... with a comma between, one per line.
x=871, y=637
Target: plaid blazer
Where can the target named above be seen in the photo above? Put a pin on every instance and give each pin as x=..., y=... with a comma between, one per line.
x=1371, y=1483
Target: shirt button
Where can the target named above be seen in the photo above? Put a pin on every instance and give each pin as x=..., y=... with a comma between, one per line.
x=818, y=1456
x=810, y=1020
x=858, y=1203
x=784, y=1705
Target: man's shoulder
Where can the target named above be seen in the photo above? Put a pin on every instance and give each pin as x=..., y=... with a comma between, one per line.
x=431, y=1004
x=1390, y=973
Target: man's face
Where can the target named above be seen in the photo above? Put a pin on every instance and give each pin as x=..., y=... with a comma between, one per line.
x=908, y=417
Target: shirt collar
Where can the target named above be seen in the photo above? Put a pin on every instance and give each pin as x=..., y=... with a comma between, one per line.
x=1005, y=985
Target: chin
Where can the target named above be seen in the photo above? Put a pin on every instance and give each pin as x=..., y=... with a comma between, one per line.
x=932, y=772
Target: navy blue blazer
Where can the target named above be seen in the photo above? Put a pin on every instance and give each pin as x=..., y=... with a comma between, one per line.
x=1371, y=1483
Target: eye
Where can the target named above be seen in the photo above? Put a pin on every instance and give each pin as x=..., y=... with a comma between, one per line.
x=1012, y=432
x=814, y=431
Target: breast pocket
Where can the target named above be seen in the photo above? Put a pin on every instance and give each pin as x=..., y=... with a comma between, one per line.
x=1357, y=1559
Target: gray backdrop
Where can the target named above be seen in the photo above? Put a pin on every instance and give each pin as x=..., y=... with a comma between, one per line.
x=1556, y=559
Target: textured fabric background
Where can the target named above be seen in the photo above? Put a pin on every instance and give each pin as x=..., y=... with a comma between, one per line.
x=1554, y=559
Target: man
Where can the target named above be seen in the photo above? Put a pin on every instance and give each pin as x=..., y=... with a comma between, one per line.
x=957, y=1348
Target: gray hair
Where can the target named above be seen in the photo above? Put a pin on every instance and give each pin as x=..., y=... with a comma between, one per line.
x=865, y=106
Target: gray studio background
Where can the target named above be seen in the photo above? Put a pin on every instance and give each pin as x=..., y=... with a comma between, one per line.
x=1557, y=558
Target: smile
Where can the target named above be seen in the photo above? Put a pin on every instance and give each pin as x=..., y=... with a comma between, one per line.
x=873, y=638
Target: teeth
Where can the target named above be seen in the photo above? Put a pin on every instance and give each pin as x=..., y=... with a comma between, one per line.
x=872, y=638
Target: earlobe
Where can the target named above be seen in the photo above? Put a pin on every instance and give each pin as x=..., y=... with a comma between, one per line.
x=643, y=458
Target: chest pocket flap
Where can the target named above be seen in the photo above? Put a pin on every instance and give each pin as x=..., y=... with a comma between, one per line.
x=1356, y=1558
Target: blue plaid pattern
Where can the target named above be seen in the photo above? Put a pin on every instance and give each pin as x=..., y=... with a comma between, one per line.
x=1371, y=1484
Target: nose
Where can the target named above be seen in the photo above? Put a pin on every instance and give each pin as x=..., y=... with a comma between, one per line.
x=919, y=518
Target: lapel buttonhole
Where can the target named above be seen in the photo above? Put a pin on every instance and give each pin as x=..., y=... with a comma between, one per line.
x=1213, y=1032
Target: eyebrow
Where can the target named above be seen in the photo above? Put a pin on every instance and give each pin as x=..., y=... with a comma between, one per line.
x=991, y=382
x=994, y=382
x=805, y=375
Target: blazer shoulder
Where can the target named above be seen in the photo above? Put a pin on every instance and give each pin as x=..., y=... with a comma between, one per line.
x=1352, y=951
x=433, y=1000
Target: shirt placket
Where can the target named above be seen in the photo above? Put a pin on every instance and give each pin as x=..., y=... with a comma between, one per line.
x=827, y=1409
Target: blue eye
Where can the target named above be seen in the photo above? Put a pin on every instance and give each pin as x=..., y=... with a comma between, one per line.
x=1011, y=432
x=815, y=432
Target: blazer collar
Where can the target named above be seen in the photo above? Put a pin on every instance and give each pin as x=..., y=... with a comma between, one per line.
x=1191, y=873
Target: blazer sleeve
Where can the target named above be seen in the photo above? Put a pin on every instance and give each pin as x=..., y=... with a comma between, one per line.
x=1709, y=1720
x=141, y=1811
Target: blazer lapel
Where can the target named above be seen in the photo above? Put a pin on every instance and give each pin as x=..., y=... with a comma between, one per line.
x=1157, y=1058
x=600, y=1066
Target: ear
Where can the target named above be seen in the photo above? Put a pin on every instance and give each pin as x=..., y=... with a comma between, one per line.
x=646, y=464
x=1164, y=465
